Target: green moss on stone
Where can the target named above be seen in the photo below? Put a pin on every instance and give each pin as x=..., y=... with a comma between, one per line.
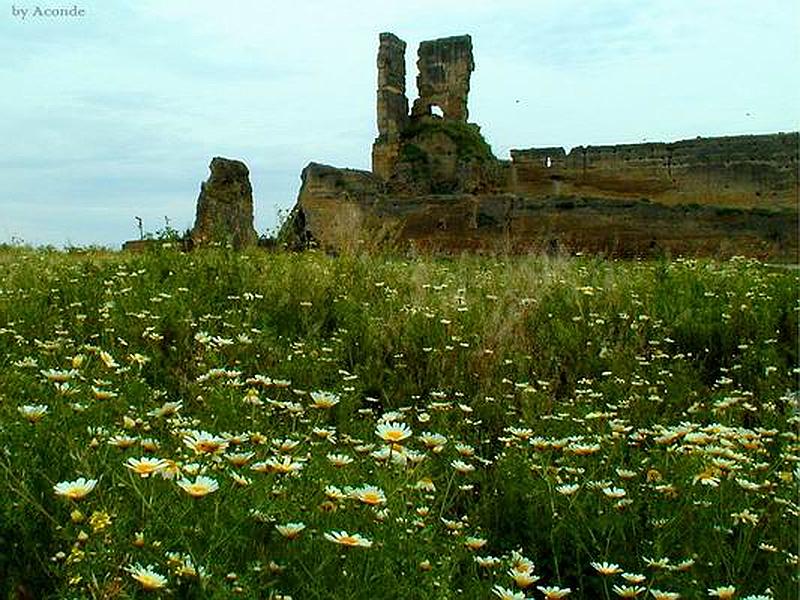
x=470, y=144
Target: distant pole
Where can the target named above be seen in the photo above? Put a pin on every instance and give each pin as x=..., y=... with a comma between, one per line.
x=141, y=229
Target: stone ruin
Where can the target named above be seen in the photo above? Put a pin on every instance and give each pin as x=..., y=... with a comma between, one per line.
x=392, y=103
x=436, y=185
x=444, y=68
x=225, y=206
x=224, y=211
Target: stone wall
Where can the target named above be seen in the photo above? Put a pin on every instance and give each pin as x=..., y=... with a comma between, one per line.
x=505, y=223
x=752, y=170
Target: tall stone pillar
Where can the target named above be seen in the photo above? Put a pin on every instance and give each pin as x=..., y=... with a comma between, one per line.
x=392, y=103
x=225, y=206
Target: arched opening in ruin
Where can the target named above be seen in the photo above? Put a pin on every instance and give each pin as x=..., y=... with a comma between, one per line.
x=437, y=111
x=548, y=162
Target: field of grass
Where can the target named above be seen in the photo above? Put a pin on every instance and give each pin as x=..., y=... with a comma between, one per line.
x=271, y=426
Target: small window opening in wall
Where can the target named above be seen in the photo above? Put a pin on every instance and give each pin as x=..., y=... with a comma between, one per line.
x=437, y=111
x=548, y=162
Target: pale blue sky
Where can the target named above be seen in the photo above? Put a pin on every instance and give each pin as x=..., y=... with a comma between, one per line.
x=118, y=113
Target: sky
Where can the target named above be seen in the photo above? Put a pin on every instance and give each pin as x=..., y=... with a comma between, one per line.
x=116, y=114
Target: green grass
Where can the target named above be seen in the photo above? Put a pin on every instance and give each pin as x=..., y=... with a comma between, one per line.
x=674, y=382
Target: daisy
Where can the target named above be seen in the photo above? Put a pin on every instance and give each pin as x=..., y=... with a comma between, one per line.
x=656, y=563
x=397, y=453
x=465, y=450
x=166, y=410
x=286, y=445
x=523, y=579
x=147, y=577
x=393, y=432
x=339, y=460
x=33, y=412
x=462, y=467
x=150, y=445
x=684, y=565
x=433, y=441
x=324, y=400
x=325, y=433
x=614, y=492
x=413, y=456
x=568, y=489
x=582, y=449
x=708, y=478
x=203, y=442
x=171, y=471
x=183, y=566
x=662, y=595
x=506, y=594
x=628, y=591
x=108, y=360
x=520, y=564
x=522, y=433
x=57, y=376
x=145, y=466
x=724, y=593
x=475, y=543
x=453, y=526
x=75, y=490
x=201, y=486
x=284, y=465
x=290, y=530
x=605, y=568
x=101, y=394
x=369, y=494
x=334, y=493
x=554, y=592
x=487, y=562
x=240, y=479
x=345, y=539
x=425, y=485
x=239, y=459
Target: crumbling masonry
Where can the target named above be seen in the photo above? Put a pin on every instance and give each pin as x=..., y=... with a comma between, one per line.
x=436, y=185
x=444, y=66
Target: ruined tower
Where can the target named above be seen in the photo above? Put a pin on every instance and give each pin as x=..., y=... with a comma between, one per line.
x=444, y=67
x=392, y=103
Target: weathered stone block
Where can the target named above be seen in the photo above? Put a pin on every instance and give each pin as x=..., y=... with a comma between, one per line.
x=225, y=206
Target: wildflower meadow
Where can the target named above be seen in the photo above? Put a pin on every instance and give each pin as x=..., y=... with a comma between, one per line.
x=271, y=425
